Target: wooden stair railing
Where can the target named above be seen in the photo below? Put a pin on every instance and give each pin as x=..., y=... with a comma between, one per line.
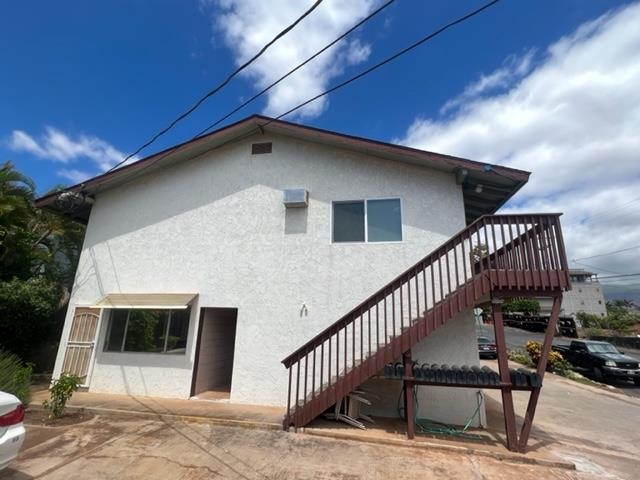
x=509, y=252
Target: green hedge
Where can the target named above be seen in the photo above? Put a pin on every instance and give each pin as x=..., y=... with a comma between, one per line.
x=27, y=315
x=15, y=377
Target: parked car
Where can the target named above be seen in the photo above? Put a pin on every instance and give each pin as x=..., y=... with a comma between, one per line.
x=486, y=348
x=12, y=430
x=602, y=359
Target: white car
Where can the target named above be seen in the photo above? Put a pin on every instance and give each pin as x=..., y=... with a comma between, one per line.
x=11, y=428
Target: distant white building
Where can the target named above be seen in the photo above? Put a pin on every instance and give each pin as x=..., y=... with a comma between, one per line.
x=585, y=296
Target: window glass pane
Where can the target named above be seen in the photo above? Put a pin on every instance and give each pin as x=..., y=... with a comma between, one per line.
x=383, y=220
x=116, y=330
x=146, y=331
x=348, y=222
x=178, y=329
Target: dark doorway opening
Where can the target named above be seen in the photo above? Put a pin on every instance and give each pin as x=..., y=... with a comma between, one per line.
x=213, y=367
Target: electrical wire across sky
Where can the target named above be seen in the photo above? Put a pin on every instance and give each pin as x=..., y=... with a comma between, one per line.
x=219, y=87
x=352, y=79
x=607, y=253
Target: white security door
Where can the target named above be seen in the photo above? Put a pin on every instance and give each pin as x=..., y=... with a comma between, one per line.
x=81, y=344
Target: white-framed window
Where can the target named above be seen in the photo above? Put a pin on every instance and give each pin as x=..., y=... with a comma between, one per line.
x=367, y=221
x=147, y=330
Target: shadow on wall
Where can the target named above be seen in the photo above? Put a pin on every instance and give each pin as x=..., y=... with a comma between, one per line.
x=142, y=360
x=135, y=374
x=125, y=381
x=88, y=272
x=224, y=172
x=295, y=220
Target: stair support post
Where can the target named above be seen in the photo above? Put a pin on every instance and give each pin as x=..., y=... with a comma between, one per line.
x=505, y=378
x=542, y=367
x=407, y=385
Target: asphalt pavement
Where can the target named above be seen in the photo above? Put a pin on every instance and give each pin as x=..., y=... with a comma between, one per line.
x=593, y=427
x=517, y=339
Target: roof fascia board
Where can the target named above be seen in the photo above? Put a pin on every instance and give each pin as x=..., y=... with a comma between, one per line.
x=259, y=123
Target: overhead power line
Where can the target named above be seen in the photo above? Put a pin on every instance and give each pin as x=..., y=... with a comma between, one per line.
x=607, y=254
x=621, y=215
x=298, y=67
x=332, y=89
x=596, y=268
x=391, y=58
x=590, y=218
x=221, y=85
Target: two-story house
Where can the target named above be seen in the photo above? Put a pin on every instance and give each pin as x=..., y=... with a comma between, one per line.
x=207, y=264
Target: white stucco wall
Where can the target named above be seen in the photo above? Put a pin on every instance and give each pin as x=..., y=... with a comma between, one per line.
x=216, y=226
x=449, y=345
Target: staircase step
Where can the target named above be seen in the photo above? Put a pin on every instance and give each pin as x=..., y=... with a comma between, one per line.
x=347, y=380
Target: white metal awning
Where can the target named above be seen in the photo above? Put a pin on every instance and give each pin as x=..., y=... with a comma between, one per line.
x=173, y=301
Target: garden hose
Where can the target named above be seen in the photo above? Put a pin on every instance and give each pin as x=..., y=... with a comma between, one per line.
x=426, y=426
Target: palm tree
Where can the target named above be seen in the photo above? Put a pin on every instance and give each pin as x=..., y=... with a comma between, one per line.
x=34, y=241
x=38, y=256
x=16, y=208
x=16, y=191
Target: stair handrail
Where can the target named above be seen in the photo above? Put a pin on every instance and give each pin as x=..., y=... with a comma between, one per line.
x=452, y=242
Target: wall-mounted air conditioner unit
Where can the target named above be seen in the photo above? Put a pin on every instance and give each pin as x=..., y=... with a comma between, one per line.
x=295, y=198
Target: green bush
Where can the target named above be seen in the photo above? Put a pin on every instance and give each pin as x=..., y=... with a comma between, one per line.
x=522, y=305
x=27, y=314
x=619, y=318
x=594, y=332
x=61, y=391
x=562, y=367
x=589, y=320
x=15, y=378
x=520, y=357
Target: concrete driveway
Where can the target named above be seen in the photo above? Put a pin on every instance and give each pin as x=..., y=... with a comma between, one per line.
x=592, y=427
x=589, y=426
x=127, y=447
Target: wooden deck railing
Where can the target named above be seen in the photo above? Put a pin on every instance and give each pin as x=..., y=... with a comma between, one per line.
x=506, y=252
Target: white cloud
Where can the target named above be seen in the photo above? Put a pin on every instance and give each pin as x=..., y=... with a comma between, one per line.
x=59, y=147
x=357, y=52
x=247, y=25
x=514, y=69
x=75, y=176
x=574, y=121
x=22, y=142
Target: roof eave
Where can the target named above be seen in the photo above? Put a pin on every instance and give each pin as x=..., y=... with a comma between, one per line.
x=512, y=179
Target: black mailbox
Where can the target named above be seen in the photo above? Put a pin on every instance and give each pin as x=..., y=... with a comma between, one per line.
x=389, y=370
x=428, y=374
x=438, y=373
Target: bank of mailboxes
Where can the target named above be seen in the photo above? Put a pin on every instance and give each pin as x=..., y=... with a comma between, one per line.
x=462, y=375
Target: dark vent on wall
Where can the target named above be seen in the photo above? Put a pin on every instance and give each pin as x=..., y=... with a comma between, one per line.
x=260, y=148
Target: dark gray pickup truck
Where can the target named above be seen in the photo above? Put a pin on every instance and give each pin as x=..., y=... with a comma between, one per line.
x=600, y=358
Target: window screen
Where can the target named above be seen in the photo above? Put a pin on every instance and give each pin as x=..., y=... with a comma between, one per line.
x=116, y=330
x=145, y=330
x=383, y=220
x=367, y=221
x=348, y=222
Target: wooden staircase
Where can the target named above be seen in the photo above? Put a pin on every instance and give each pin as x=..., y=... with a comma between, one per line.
x=510, y=253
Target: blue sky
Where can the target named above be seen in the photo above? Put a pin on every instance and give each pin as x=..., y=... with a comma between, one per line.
x=535, y=85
